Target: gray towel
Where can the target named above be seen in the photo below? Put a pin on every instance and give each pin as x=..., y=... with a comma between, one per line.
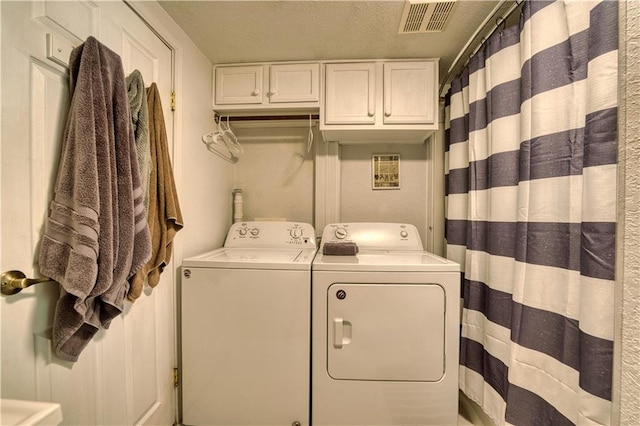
x=96, y=234
x=140, y=120
x=340, y=249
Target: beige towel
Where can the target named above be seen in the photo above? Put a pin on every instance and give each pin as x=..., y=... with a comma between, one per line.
x=165, y=218
x=96, y=234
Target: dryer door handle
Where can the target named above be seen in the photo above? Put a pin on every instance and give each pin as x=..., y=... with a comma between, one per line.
x=341, y=333
x=338, y=332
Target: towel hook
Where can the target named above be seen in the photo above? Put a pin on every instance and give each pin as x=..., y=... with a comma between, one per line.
x=13, y=282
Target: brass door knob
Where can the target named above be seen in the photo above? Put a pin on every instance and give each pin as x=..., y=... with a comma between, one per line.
x=14, y=281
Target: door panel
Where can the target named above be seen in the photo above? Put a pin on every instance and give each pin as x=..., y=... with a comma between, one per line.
x=350, y=93
x=75, y=19
x=245, y=347
x=385, y=332
x=124, y=375
x=294, y=83
x=239, y=85
x=147, y=325
x=409, y=92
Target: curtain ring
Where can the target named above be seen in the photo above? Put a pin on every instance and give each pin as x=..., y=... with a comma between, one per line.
x=501, y=21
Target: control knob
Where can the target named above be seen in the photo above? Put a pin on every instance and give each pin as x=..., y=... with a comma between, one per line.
x=341, y=233
x=255, y=231
x=295, y=233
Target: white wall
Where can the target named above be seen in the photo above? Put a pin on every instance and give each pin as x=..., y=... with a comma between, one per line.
x=360, y=203
x=203, y=180
x=275, y=174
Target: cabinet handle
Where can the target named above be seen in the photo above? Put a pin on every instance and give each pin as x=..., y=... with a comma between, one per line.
x=273, y=82
x=255, y=92
x=372, y=98
x=387, y=105
x=372, y=106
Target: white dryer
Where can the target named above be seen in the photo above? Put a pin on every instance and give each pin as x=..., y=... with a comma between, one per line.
x=246, y=327
x=385, y=330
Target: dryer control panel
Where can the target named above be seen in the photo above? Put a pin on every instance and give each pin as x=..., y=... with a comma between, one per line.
x=375, y=235
x=266, y=234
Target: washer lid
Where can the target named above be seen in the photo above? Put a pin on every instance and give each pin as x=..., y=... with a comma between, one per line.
x=242, y=258
x=384, y=261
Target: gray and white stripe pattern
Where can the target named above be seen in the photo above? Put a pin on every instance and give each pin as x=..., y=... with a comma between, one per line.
x=531, y=209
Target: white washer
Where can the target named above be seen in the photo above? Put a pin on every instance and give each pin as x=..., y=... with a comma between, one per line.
x=246, y=327
x=385, y=330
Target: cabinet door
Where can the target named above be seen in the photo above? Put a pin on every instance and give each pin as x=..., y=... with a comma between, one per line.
x=409, y=96
x=239, y=85
x=350, y=93
x=294, y=83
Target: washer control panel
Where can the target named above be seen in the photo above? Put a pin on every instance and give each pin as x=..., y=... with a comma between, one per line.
x=262, y=234
x=375, y=235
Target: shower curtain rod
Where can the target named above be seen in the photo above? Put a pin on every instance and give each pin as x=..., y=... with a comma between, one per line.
x=495, y=16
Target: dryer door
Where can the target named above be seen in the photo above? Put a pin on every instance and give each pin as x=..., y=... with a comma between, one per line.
x=386, y=332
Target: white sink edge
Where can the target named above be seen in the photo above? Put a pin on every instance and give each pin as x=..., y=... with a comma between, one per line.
x=18, y=412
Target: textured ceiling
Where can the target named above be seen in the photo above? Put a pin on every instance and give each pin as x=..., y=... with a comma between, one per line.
x=288, y=30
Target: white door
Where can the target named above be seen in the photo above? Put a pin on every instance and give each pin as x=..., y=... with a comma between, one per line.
x=124, y=376
x=350, y=93
x=409, y=92
x=239, y=85
x=294, y=83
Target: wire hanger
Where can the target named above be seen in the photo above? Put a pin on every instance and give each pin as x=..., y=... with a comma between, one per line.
x=231, y=140
x=310, y=137
x=216, y=143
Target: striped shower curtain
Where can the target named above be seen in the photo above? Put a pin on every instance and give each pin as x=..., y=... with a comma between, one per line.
x=531, y=210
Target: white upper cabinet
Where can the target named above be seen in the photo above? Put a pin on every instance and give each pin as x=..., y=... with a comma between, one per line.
x=294, y=83
x=380, y=101
x=359, y=101
x=409, y=93
x=283, y=86
x=238, y=85
x=350, y=93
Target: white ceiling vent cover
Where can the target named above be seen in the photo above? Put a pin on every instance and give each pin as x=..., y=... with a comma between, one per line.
x=419, y=16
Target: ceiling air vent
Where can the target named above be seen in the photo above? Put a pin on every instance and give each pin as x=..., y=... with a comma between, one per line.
x=425, y=17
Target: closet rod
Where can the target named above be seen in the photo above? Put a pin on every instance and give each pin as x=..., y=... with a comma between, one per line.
x=217, y=117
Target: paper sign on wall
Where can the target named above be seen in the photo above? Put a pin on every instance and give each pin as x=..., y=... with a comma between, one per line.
x=385, y=171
